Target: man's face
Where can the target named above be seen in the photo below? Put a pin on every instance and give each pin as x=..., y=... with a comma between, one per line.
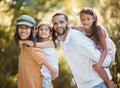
x=59, y=24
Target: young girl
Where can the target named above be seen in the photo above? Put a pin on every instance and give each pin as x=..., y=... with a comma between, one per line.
x=43, y=37
x=31, y=58
x=99, y=35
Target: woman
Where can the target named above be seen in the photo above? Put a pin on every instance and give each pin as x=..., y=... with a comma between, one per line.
x=31, y=58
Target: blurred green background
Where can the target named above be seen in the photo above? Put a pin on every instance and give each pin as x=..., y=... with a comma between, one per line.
x=108, y=12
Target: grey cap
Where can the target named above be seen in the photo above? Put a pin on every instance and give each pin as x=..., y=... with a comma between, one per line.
x=26, y=20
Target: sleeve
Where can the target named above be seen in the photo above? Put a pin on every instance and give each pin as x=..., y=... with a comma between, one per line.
x=87, y=46
x=37, y=54
x=94, y=54
x=91, y=52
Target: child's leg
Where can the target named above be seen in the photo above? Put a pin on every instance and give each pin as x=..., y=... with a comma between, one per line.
x=103, y=75
x=46, y=82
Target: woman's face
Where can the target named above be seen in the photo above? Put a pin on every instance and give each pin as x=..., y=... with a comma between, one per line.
x=24, y=31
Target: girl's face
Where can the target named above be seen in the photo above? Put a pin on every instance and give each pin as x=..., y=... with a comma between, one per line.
x=44, y=32
x=24, y=31
x=86, y=20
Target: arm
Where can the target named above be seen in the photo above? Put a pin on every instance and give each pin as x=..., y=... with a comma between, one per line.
x=40, y=59
x=102, y=37
x=54, y=72
x=88, y=47
x=20, y=43
x=45, y=44
x=79, y=28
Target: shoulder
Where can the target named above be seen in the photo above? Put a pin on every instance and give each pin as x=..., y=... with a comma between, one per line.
x=101, y=31
x=76, y=34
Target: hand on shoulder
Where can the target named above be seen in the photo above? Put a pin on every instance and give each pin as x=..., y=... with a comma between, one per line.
x=79, y=28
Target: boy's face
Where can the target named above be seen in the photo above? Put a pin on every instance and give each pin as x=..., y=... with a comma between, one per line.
x=24, y=31
x=59, y=24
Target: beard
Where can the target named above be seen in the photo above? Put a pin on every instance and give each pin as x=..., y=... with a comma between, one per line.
x=64, y=31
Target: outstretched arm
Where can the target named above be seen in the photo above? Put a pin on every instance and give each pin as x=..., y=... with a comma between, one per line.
x=79, y=28
x=45, y=44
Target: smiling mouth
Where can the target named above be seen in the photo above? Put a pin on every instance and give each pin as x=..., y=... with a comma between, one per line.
x=22, y=34
x=85, y=24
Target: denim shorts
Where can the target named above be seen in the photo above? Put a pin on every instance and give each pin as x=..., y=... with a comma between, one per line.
x=101, y=85
x=46, y=82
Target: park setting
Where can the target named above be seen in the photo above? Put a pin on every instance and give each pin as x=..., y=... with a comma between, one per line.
x=108, y=12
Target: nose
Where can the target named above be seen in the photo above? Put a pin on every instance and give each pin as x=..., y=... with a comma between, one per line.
x=24, y=29
x=85, y=21
x=59, y=25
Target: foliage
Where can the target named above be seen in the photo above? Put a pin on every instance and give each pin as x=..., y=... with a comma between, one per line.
x=42, y=11
x=110, y=12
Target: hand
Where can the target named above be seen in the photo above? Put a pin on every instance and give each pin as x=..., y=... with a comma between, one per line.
x=99, y=65
x=20, y=43
x=54, y=75
x=79, y=28
x=75, y=27
x=29, y=43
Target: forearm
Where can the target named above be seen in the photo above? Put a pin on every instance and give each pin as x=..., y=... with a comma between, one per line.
x=103, y=56
x=29, y=43
x=53, y=71
x=46, y=44
x=50, y=67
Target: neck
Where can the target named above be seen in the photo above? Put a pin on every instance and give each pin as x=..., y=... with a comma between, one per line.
x=87, y=31
x=62, y=37
x=43, y=39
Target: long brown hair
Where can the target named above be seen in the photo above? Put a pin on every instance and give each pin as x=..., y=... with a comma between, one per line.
x=95, y=26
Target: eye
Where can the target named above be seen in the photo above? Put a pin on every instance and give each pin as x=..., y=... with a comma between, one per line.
x=54, y=23
x=41, y=29
x=88, y=19
x=46, y=29
x=20, y=27
x=82, y=19
x=61, y=21
x=27, y=27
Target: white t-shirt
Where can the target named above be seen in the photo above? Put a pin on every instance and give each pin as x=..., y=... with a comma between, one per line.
x=80, y=51
x=52, y=57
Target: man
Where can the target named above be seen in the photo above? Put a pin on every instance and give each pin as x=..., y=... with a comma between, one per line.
x=79, y=51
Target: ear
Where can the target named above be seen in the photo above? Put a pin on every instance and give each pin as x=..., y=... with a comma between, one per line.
x=50, y=33
x=68, y=23
x=95, y=18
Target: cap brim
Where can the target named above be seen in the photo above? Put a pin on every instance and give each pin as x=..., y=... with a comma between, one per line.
x=25, y=23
